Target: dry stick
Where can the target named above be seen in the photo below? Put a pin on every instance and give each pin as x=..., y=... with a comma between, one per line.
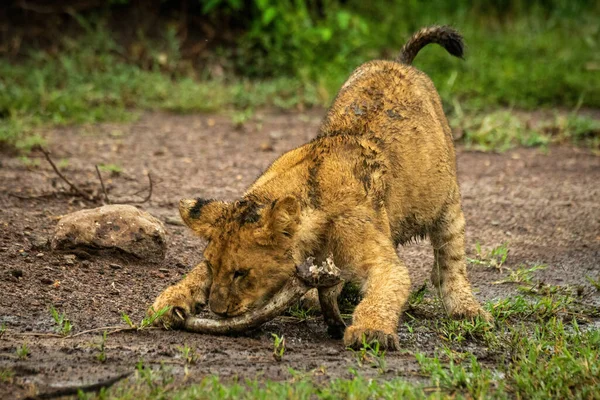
x=144, y=200
x=72, y=186
x=149, y=189
x=102, y=184
x=33, y=197
x=117, y=328
x=307, y=276
x=73, y=390
x=40, y=334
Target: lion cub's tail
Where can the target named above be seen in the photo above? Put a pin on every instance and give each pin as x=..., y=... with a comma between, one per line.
x=445, y=36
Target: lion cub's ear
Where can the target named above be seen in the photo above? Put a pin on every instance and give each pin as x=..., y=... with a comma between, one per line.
x=202, y=215
x=280, y=220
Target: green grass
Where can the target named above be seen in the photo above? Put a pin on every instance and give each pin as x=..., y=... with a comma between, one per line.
x=494, y=258
x=524, y=62
x=63, y=324
x=538, y=346
x=23, y=351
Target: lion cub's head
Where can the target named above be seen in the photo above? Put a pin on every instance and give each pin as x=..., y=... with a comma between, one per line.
x=250, y=248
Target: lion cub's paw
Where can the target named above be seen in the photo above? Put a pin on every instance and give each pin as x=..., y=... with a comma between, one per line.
x=180, y=303
x=472, y=311
x=355, y=336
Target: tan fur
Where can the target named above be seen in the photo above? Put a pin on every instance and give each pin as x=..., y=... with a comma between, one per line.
x=381, y=172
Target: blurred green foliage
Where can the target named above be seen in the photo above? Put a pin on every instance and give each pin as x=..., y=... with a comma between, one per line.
x=291, y=53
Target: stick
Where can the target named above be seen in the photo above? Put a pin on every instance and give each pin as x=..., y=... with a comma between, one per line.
x=72, y=186
x=290, y=293
x=118, y=328
x=102, y=184
x=73, y=390
x=33, y=197
x=146, y=199
x=307, y=276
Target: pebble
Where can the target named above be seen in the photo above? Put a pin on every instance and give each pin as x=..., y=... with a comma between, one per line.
x=39, y=255
x=275, y=134
x=115, y=266
x=38, y=242
x=17, y=273
x=70, y=259
x=266, y=146
x=165, y=270
x=174, y=221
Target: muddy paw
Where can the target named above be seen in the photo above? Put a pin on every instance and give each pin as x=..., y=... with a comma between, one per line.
x=472, y=311
x=355, y=336
x=180, y=303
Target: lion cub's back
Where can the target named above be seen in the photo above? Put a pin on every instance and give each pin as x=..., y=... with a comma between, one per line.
x=398, y=108
x=384, y=98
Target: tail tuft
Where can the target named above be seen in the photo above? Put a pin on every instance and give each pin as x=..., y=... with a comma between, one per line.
x=445, y=36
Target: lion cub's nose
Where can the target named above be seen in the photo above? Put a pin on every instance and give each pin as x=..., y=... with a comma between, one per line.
x=219, y=308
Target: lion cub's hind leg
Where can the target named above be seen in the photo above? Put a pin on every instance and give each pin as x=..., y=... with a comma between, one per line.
x=449, y=274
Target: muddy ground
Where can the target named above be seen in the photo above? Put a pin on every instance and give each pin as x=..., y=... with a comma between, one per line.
x=544, y=204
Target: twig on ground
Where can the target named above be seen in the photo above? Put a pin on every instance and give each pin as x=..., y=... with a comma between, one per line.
x=110, y=330
x=145, y=199
x=114, y=329
x=71, y=185
x=33, y=197
x=74, y=390
x=102, y=184
x=40, y=334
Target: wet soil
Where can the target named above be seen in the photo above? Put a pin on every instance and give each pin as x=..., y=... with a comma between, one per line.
x=545, y=204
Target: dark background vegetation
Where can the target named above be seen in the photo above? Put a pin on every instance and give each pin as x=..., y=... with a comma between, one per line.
x=85, y=61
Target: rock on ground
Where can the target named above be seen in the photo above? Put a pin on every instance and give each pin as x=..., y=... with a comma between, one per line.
x=121, y=227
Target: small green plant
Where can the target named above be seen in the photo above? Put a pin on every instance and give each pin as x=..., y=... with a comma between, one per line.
x=127, y=320
x=146, y=321
x=114, y=169
x=157, y=381
x=278, y=346
x=495, y=258
x=240, y=118
x=302, y=313
x=2, y=329
x=23, y=351
x=370, y=353
x=417, y=296
x=521, y=275
x=101, y=356
x=6, y=375
x=497, y=131
x=63, y=324
x=473, y=379
x=458, y=330
x=188, y=354
x=595, y=283
x=29, y=162
x=349, y=297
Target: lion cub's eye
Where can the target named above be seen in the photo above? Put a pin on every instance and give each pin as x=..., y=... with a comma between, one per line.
x=240, y=273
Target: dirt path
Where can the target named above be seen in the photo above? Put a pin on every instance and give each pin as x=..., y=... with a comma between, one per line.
x=545, y=205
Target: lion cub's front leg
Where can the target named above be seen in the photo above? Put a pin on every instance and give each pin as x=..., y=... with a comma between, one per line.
x=183, y=297
x=386, y=285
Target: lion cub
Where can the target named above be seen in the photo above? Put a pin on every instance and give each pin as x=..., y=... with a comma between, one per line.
x=381, y=171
